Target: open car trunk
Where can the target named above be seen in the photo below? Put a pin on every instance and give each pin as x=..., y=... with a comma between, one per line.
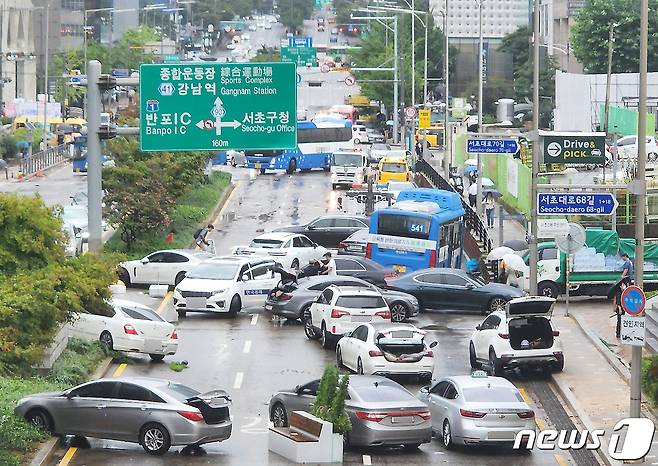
x=213, y=406
x=528, y=333
x=402, y=349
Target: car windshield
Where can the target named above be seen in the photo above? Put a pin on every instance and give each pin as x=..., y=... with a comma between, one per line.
x=347, y=159
x=491, y=394
x=266, y=243
x=214, y=271
x=394, y=167
x=178, y=391
x=361, y=302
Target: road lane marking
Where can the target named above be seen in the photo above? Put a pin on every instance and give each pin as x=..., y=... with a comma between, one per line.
x=247, y=346
x=228, y=201
x=119, y=370
x=68, y=456
x=367, y=461
x=560, y=459
x=254, y=319
x=524, y=394
x=164, y=302
x=238, y=380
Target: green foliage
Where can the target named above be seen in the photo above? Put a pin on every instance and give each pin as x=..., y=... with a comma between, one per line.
x=329, y=403
x=23, y=134
x=590, y=32
x=178, y=366
x=650, y=377
x=9, y=459
x=8, y=149
x=294, y=12
x=70, y=369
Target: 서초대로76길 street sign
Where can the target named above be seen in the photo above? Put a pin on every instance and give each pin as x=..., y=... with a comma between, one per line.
x=213, y=106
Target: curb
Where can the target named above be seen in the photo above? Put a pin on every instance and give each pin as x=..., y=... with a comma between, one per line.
x=44, y=453
x=565, y=392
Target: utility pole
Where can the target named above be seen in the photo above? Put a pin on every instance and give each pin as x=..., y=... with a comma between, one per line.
x=396, y=84
x=94, y=166
x=447, y=135
x=640, y=199
x=535, y=151
x=479, y=206
x=606, y=116
x=402, y=105
x=44, y=136
x=413, y=56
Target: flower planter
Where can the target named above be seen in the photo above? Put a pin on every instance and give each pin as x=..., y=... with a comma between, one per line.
x=337, y=448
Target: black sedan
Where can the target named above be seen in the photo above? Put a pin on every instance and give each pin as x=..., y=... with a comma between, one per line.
x=454, y=289
x=360, y=267
x=329, y=230
x=354, y=244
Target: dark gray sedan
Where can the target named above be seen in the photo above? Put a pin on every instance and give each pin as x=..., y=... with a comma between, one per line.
x=297, y=304
x=382, y=411
x=155, y=413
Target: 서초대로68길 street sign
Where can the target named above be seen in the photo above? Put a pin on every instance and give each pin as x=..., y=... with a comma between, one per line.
x=213, y=106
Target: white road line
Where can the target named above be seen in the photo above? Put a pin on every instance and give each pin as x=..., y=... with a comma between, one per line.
x=366, y=460
x=254, y=319
x=247, y=346
x=238, y=380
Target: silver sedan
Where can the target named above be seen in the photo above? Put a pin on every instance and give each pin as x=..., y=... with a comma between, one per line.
x=155, y=413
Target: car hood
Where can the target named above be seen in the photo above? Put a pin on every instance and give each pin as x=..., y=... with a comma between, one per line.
x=505, y=290
x=43, y=395
x=202, y=284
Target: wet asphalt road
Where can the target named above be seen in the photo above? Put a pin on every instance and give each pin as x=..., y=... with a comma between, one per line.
x=253, y=355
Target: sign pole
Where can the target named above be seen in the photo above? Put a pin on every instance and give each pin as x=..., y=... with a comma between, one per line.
x=566, y=272
x=532, y=236
x=94, y=166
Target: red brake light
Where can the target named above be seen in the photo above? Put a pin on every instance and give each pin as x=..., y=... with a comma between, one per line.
x=471, y=414
x=426, y=415
x=526, y=414
x=556, y=333
x=384, y=314
x=174, y=335
x=390, y=275
x=429, y=353
x=366, y=416
x=191, y=415
x=369, y=250
x=432, y=259
x=374, y=354
x=337, y=313
x=129, y=329
x=342, y=246
x=285, y=297
x=505, y=336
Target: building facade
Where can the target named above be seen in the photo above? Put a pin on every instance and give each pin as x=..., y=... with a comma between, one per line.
x=556, y=21
x=499, y=17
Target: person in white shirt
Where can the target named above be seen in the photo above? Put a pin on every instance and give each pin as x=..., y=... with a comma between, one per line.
x=473, y=194
x=329, y=265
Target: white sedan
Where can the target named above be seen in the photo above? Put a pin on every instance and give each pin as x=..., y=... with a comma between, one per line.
x=225, y=285
x=166, y=267
x=292, y=250
x=387, y=349
x=128, y=326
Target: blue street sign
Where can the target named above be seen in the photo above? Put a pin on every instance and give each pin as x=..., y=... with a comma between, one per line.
x=300, y=42
x=77, y=79
x=576, y=203
x=492, y=146
x=121, y=72
x=633, y=300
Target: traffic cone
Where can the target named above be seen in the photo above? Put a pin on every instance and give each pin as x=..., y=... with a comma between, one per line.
x=39, y=173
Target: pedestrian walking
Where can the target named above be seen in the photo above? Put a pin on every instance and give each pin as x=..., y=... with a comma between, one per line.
x=201, y=237
x=489, y=208
x=627, y=270
x=472, y=194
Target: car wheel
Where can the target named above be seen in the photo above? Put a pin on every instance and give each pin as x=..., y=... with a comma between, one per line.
x=181, y=314
x=295, y=264
x=653, y=156
x=496, y=304
x=494, y=364
x=309, y=331
x=40, y=418
x=179, y=278
x=339, y=357
x=398, y=312
x=234, y=163
x=156, y=357
x=124, y=276
x=279, y=416
x=292, y=166
x=154, y=439
x=359, y=367
x=446, y=436
x=473, y=359
x=325, y=337
x=547, y=289
x=106, y=340
x=357, y=141
x=235, y=307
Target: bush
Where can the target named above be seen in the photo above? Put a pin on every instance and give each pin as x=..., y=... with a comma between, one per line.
x=329, y=404
x=8, y=148
x=650, y=377
x=72, y=369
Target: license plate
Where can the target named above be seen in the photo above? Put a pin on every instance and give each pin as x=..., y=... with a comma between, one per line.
x=196, y=303
x=257, y=166
x=402, y=420
x=361, y=318
x=354, y=248
x=400, y=268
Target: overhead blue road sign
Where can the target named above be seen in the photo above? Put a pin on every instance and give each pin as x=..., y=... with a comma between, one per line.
x=576, y=204
x=300, y=42
x=492, y=146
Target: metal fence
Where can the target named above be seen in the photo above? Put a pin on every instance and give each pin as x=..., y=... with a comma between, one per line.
x=44, y=159
x=471, y=219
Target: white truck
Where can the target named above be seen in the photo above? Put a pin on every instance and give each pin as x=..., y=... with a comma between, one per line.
x=347, y=167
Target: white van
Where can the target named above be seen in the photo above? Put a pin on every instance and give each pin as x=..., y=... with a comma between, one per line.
x=359, y=134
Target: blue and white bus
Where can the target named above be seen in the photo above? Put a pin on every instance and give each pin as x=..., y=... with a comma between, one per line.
x=316, y=141
x=423, y=229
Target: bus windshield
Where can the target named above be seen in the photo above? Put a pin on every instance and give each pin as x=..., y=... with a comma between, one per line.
x=346, y=159
x=394, y=167
x=404, y=225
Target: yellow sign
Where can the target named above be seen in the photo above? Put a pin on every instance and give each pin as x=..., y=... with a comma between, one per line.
x=424, y=119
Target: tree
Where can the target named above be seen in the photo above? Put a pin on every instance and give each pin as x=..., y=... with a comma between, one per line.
x=589, y=35
x=329, y=403
x=294, y=12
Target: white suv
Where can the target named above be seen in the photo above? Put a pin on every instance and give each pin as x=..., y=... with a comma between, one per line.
x=522, y=336
x=341, y=309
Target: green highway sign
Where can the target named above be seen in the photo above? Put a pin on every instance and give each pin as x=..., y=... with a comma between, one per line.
x=213, y=106
x=573, y=148
x=302, y=56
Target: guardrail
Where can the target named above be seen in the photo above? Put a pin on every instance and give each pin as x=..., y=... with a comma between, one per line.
x=651, y=330
x=471, y=219
x=44, y=159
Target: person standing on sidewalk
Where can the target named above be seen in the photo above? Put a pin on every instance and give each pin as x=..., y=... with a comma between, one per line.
x=627, y=270
x=473, y=194
x=490, y=207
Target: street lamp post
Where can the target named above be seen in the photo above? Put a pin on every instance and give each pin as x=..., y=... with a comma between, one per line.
x=45, y=82
x=535, y=152
x=479, y=206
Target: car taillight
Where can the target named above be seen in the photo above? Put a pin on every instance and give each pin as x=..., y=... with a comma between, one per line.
x=426, y=415
x=366, y=416
x=174, y=335
x=384, y=314
x=471, y=414
x=129, y=329
x=342, y=246
x=337, y=313
x=556, y=333
x=374, y=354
x=526, y=414
x=429, y=354
x=285, y=297
x=191, y=415
x=369, y=250
x=432, y=259
x=390, y=275
x=504, y=336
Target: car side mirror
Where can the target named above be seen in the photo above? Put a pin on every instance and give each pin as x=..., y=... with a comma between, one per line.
x=433, y=344
x=297, y=388
x=478, y=327
x=310, y=227
x=145, y=260
x=245, y=277
x=347, y=334
x=69, y=395
x=470, y=286
x=425, y=389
